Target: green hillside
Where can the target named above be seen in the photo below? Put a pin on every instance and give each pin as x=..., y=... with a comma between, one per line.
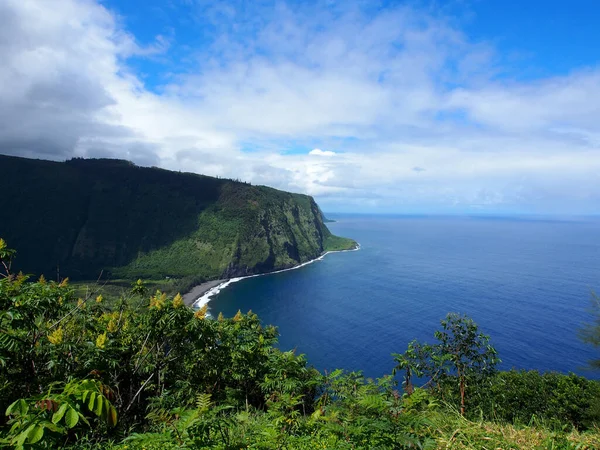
x=82, y=217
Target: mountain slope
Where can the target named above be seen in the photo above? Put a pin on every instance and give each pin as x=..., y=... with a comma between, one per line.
x=85, y=216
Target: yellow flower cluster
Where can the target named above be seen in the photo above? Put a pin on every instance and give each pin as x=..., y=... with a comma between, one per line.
x=101, y=340
x=111, y=320
x=112, y=326
x=178, y=301
x=201, y=313
x=99, y=299
x=56, y=337
x=158, y=300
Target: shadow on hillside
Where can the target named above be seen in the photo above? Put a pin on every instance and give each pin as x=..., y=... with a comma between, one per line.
x=85, y=215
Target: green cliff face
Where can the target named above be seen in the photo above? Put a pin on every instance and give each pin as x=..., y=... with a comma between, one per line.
x=85, y=216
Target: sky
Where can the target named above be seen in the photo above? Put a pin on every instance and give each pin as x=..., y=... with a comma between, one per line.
x=457, y=106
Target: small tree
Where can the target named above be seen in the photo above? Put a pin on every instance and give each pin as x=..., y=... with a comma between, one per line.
x=462, y=352
x=466, y=353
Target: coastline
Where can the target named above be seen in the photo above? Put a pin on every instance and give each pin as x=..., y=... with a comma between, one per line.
x=200, y=295
x=198, y=291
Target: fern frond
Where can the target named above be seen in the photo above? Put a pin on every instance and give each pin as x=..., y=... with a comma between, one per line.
x=203, y=402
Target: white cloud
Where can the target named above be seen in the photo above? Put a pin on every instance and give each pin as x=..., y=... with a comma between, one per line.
x=572, y=100
x=415, y=110
x=319, y=152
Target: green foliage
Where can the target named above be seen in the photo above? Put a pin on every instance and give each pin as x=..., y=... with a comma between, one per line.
x=336, y=243
x=462, y=357
x=6, y=256
x=146, y=372
x=464, y=353
x=553, y=398
x=464, y=348
x=413, y=362
x=52, y=414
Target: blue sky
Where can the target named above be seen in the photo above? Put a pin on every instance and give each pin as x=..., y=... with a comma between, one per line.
x=536, y=38
x=393, y=107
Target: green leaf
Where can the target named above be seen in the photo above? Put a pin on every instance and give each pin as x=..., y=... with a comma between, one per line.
x=58, y=415
x=23, y=437
x=99, y=405
x=35, y=433
x=20, y=406
x=112, y=416
x=71, y=417
x=52, y=427
x=92, y=401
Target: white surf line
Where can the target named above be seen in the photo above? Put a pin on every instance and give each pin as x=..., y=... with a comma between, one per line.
x=205, y=298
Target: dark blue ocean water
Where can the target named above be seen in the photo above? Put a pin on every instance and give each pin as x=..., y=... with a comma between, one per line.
x=526, y=282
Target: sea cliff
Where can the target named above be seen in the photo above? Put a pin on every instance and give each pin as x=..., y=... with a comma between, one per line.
x=83, y=217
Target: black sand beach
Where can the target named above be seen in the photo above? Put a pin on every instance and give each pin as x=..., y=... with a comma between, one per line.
x=200, y=290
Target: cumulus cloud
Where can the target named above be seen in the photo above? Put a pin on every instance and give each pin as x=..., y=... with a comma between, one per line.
x=50, y=87
x=413, y=107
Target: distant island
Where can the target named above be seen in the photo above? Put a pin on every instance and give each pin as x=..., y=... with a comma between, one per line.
x=84, y=217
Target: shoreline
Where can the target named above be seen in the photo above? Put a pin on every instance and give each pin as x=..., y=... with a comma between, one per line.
x=199, y=290
x=200, y=295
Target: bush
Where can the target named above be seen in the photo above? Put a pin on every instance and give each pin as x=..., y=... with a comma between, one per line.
x=557, y=399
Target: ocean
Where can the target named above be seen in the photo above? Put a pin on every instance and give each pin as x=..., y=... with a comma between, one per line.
x=526, y=281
